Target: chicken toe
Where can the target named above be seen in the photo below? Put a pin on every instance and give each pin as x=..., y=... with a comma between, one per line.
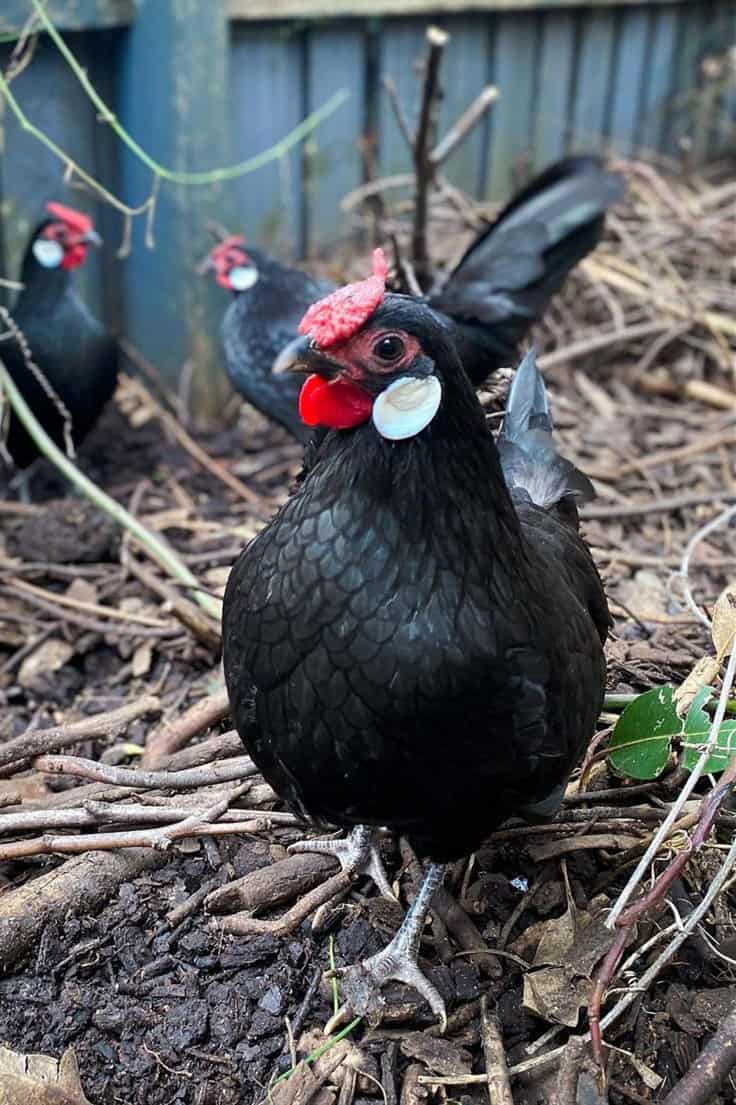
x=358, y=852
x=360, y=985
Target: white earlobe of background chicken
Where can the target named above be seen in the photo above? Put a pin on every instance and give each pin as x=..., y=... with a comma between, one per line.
x=406, y=406
x=242, y=277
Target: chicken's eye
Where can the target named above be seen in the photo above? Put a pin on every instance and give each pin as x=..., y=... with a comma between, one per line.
x=389, y=348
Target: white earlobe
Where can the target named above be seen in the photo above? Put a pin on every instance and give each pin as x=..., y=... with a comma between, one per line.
x=242, y=277
x=48, y=253
x=407, y=406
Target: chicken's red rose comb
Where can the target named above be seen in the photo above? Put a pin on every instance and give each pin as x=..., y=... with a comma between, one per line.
x=222, y=249
x=75, y=220
x=340, y=314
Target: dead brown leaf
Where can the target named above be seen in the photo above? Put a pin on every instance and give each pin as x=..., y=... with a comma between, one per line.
x=40, y=1079
x=44, y=660
x=559, y=984
x=724, y=621
x=702, y=675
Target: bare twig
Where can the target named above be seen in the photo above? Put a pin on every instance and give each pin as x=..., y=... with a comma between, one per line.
x=701, y=1083
x=700, y=535
x=41, y=741
x=460, y=129
x=173, y=735
x=239, y=767
x=497, y=1071
x=423, y=166
x=685, y=793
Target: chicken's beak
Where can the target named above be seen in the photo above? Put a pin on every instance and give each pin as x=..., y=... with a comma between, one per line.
x=301, y=355
x=91, y=238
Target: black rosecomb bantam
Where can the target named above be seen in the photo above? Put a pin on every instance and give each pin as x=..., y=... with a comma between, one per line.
x=76, y=355
x=270, y=299
x=499, y=289
x=416, y=640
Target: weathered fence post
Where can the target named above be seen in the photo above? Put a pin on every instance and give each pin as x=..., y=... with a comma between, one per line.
x=173, y=100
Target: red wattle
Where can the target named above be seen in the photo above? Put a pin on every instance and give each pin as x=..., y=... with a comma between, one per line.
x=74, y=256
x=337, y=404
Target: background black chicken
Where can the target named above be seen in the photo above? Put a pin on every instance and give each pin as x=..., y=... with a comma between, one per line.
x=420, y=626
x=76, y=355
x=500, y=288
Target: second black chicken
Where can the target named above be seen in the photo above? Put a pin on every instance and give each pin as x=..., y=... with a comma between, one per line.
x=499, y=289
x=416, y=640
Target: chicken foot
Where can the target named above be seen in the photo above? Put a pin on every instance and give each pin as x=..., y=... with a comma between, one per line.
x=357, y=852
x=360, y=985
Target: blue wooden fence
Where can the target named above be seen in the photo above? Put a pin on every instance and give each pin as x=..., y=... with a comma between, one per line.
x=205, y=84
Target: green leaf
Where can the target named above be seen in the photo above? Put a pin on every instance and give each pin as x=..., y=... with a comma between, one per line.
x=641, y=744
x=695, y=736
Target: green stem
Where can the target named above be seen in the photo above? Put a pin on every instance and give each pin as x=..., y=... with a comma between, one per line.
x=319, y=1051
x=159, y=549
x=211, y=176
x=621, y=701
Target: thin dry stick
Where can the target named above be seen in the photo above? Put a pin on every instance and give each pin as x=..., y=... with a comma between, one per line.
x=700, y=1084
x=135, y=838
x=460, y=129
x=675, y=811
x=684, y=573
x=40, y=741
x=173, y=735
x=497, y=1071
x=708, y=812
x=238, y=767
x=423, y=167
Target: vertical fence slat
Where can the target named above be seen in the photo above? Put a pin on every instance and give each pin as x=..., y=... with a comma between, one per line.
x=335, y=60
x=686, y=77
x=465, y=72
x=174, y=101
x=658, y=79
x=402, y=45
x=633, y=36
x=556, y=63
x=54, y=101
x=514, y=52
x=596, y=37
x=267, y=101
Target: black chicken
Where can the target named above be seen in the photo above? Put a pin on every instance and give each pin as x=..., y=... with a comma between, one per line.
x=76, y=355
x=270, y=300
x=416, y=639
x=499, y=289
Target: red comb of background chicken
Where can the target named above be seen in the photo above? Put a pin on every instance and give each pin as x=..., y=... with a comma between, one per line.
x=340, y=314
x=234, y=241
x=75, y=220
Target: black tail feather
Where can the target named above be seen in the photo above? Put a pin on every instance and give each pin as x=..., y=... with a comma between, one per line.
x=507, y=277
x=530, y=461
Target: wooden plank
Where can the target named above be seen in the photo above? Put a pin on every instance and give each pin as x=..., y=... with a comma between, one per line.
x=556, y=63
x=628, y=83
x=465, y=71
x=51, y=97
x=69, y=15
x=596, y=38
x=173, y=101
x=692, y=29
x=266, y=102
x=255, y=10
x=514, y=67
x=721, y=91
x=333, y=165
x=656, y=102
x=402, y=46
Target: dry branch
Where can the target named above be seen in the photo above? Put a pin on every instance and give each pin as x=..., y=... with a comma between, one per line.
x=41, y=741
x=172, y=735
x=82, y=884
